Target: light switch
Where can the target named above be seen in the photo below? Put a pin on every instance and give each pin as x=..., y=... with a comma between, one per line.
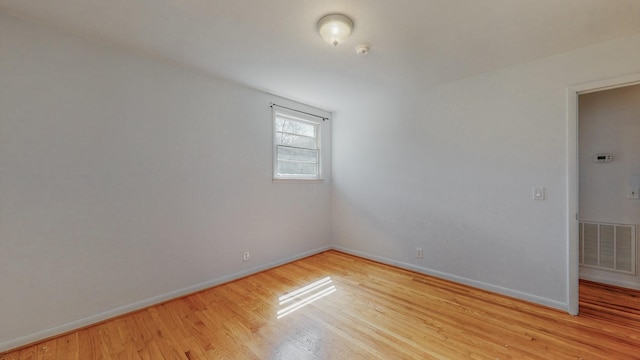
x=538, y=193
x=632, y=193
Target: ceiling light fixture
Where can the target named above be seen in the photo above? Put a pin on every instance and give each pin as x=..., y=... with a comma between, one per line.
x=335, y=28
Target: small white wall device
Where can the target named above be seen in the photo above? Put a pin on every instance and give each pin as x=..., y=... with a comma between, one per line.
x=602, y=158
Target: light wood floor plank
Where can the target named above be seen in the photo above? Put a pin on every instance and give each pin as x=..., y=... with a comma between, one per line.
x=374, y=312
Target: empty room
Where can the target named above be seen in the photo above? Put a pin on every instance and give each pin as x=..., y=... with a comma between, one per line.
x=298, y=179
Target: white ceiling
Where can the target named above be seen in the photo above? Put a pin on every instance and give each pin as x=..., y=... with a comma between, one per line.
x=273, y=45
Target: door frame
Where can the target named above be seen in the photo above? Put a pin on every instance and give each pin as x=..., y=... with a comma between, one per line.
x=573, y=201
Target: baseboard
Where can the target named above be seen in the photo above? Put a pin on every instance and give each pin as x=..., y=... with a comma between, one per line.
x=461, y=280
x=603, y=280
x=139, y=305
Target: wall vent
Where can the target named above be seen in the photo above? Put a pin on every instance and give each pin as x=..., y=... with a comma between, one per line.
x=609, y=247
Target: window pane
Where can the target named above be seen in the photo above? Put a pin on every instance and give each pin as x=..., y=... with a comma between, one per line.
x=295, y=140
x=295, y=127
x=297, y=148
x=300, y=155
x=295, y=168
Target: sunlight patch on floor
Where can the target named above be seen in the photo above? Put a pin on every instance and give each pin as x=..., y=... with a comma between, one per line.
x=305, y=296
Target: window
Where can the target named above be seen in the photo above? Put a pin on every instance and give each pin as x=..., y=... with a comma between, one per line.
x=296, y=145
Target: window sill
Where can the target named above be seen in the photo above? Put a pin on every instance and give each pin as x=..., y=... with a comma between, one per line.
x=295, y=180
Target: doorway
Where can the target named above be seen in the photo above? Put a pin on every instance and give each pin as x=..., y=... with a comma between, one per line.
x=598, y=167
x=609, y=185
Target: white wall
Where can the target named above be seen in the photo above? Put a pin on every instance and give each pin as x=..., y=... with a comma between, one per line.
x=121, y=182
x=124, y=181
x=610, y=123
x=451, y=170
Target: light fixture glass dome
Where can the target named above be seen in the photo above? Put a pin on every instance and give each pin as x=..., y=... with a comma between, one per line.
x=335, y=28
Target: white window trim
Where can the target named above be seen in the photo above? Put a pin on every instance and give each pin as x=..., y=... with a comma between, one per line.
x=302, y=117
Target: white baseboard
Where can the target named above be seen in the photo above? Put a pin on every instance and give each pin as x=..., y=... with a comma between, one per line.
x=90, y=320
x=94, y=319
x=458, y=279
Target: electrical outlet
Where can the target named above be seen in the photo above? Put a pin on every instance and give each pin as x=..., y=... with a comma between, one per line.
x=419, y=254
x=246, y=256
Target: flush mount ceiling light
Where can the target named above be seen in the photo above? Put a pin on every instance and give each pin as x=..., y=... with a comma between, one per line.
x=335, y=28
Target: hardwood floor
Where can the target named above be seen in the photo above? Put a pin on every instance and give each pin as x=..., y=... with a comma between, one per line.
x=358, y=309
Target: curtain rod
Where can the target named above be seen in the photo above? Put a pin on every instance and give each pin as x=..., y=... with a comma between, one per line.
x=302, y=112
